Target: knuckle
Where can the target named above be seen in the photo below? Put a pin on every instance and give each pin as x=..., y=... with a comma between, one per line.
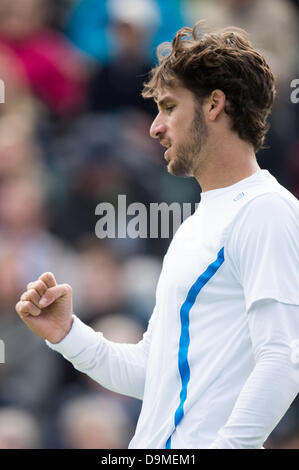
x=45, y=276
x=32, y=283
x=20, y=307
x=40, y=286
x=48, y=274
x=31, y=308
x=31, y=286
x=67, y=288
x=32, y=293
x=48, y=277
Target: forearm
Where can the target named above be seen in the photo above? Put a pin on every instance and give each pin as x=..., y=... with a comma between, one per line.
x=118, y=367
x=274, y=382
x=264, y=399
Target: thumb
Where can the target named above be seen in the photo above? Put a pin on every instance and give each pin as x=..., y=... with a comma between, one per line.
x=54, y=293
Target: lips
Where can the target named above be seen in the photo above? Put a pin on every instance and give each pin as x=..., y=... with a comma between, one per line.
x=166, y=154
x=167, y=145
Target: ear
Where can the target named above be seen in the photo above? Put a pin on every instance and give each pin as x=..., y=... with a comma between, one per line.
x=216, y=104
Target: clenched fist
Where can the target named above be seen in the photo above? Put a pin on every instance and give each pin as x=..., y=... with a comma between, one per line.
x=47, y=308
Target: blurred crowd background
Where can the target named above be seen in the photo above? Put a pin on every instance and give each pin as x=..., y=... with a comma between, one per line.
x=74, y=132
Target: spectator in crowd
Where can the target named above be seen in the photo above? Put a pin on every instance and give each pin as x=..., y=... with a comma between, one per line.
x=261, y=19
x=141, y=295
x=23, y=219
x=119, y=327
x=87, y=28
x=132, y=23
x=88, y=25
x=19, y=152
x=53, y=67
x=17, y=99
x=18, y=429
x=94, y=422
x=108, y=283
x=101, y=283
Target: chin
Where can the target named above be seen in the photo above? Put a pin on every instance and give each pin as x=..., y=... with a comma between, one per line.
x=176, y=169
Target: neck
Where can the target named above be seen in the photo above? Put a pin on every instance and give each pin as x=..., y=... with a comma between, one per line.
x=226, y=165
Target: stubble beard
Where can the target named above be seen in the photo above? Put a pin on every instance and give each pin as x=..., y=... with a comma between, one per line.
x=187, y=154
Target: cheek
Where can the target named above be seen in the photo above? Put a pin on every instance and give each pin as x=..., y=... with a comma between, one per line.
x=179, y=131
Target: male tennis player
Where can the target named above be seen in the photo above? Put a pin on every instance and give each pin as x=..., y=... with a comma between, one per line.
x=215, y=368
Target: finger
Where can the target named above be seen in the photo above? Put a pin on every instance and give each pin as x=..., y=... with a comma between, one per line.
x=49, y=279
x=39, y=286
x=25, y=308
x=54, y=293
x=32, y=296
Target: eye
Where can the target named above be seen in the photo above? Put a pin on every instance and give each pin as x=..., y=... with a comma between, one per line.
x=169, y=108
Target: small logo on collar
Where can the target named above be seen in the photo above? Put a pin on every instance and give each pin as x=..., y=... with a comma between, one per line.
x=239, y=196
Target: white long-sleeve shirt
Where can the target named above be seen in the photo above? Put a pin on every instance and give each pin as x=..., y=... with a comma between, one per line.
x=214, y=367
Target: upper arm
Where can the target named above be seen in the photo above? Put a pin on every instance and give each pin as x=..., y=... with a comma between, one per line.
x=263, y=248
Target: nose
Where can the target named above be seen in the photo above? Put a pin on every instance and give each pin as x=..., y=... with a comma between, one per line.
x=158, y=127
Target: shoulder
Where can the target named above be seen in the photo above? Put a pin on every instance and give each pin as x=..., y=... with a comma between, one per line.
x=262, y=248
x=274, y=200
x=271, y=209
x=269, y=220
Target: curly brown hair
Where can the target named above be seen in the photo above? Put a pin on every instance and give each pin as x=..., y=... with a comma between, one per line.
x=225, y=60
